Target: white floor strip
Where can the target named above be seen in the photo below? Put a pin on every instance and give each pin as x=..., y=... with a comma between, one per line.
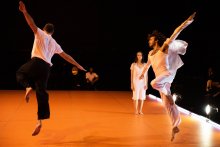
x=191, y=114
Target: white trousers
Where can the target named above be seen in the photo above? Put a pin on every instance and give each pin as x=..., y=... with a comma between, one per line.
x=162, y=83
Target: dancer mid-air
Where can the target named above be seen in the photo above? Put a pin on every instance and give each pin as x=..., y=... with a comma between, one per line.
x=165, y=60
x=35, y=72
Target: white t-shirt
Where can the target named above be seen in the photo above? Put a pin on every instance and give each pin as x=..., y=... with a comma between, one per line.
x=45, y=46
x=91, y=76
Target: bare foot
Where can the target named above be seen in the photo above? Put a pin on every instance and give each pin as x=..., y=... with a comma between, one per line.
x=27, y=94
x=141, y=113
x=136, y=112
x=37, y=130
x=174, y=131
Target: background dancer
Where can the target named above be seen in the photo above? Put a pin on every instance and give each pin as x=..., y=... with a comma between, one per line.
x=138, y=86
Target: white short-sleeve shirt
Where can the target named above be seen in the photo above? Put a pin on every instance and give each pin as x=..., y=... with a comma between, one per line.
x=91, y=76
x=45, y=46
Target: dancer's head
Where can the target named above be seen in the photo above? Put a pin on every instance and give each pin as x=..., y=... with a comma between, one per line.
x=156, y=37
x=49, y=28
x=91, y=69
x=139, y=57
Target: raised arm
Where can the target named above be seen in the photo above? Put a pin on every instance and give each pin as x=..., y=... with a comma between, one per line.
x=177, y=31
x=69, y=59
x=27, y=16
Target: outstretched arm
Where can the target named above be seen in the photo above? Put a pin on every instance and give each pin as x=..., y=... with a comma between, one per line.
x=27, y=16
x=177, y=31
x=69, y=59
x=187, y=22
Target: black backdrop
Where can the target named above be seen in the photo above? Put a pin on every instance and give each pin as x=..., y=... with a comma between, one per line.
x=106, y=34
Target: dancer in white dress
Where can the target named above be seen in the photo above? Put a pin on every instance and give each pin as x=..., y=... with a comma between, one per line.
x=138, y=86
x=165, y=60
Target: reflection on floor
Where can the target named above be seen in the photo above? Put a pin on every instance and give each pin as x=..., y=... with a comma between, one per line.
x=98, y=119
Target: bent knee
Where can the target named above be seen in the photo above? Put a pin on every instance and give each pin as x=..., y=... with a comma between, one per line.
x=19, y=77
x=154, y=84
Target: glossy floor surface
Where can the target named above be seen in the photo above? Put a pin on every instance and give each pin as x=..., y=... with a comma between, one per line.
x=97, y=119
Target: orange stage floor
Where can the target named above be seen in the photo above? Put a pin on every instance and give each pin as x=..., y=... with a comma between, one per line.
x=97, y=119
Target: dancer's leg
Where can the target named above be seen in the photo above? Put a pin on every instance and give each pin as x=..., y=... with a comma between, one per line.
x=24, y=76
x=37, y=128
x=27, y=94
x=173, y=113
x=135, y=106
x=141, y=107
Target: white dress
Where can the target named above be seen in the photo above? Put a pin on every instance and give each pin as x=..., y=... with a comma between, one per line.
x=139, y=93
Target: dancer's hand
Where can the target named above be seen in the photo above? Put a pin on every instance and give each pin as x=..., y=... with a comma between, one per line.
x=141, y=77
x=192, y=16
x=132, y=87
x=81, y=68
x=22, y=7
x=189, y=20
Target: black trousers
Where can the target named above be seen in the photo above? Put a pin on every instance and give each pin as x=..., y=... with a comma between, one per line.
x=35, y=74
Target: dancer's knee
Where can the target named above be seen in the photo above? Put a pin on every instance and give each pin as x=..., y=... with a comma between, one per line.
x=19, y=77
x=155, y=85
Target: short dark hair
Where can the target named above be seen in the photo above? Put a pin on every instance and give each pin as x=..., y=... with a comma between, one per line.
x=49, y=28
x=158, y=36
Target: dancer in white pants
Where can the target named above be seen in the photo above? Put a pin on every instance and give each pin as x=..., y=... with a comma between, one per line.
x=165, y=60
